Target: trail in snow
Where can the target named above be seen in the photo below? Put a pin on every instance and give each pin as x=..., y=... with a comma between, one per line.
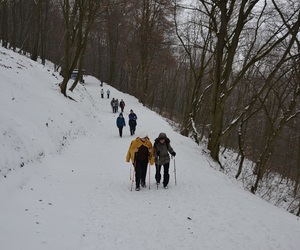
x=79, y=198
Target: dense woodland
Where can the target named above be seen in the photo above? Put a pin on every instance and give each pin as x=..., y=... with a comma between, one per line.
x=226, y=71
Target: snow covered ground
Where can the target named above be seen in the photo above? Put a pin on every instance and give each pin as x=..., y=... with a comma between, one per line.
x=65, y=185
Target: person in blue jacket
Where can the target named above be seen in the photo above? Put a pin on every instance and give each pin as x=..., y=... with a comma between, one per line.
x=120, y=123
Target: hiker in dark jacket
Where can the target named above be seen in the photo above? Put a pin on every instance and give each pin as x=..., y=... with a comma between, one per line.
x=132, y=122
x=122, y=105
x=120, y=123
x=162, y=148
x=112, y=104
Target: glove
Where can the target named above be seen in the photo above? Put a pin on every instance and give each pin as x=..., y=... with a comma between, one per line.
x=158, y=153
x=173, y=153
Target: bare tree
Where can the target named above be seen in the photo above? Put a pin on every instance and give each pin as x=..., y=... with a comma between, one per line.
x=150, y=25
x=195, y=39
x=79, y=17
x=234, y=27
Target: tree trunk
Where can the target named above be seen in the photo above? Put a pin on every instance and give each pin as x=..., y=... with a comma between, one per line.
x=4, y=23
x=37, y=30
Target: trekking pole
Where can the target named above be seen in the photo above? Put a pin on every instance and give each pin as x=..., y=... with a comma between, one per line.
x=132, y=178
x=149, y=175
x=130, y=173
x=157, y=171
x=175, y=171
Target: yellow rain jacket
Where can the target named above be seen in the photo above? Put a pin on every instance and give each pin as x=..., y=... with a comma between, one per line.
x=134, y=147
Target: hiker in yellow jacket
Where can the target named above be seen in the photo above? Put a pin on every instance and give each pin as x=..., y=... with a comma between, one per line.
x=140, y=153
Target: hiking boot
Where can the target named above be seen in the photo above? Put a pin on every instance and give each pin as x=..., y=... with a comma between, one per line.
x=137, y=189
x=157, y=183
x=144, y=185
x=165, y=186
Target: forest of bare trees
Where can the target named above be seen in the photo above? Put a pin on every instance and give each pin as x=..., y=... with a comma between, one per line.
x=226, y=71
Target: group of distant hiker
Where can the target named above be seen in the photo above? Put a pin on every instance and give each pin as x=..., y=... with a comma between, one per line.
x=141, y=152
x=115, y=104
x=107, y=93
x=132, y=117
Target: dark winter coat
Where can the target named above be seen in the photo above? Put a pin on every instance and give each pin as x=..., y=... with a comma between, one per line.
x=122, y=104
x=120, y=121
x=132, y=119
x=164, y=149
x=112, y=102
x=132, y=116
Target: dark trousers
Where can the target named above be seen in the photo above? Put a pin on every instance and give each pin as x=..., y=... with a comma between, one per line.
x=120, y=131
x=132, y=129
x=166, y=173
x=140, y=172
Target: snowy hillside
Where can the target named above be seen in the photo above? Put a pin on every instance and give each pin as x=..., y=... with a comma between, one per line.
x=64, y=182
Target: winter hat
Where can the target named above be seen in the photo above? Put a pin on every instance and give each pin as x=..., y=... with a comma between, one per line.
x=162, y=136
x=142, y=134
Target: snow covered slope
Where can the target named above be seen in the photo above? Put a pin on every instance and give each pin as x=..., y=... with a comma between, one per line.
x=64, y=182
